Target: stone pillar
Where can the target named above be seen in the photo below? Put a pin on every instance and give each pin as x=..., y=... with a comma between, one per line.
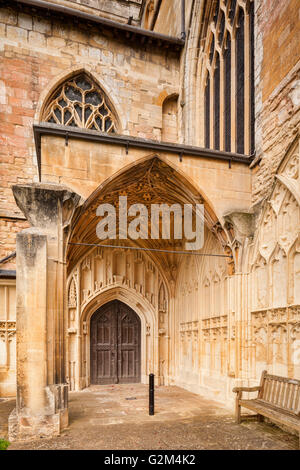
x=242, y=228
x=42, y=394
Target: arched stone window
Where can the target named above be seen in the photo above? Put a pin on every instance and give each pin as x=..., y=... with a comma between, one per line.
x=80, y=102
x=228, y=75
x=170, y=119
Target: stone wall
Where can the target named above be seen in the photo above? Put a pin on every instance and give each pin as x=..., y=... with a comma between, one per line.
x=103, y=275
x=84, y=166
x=277, y=87
x=203, y=357
x=8, y=232
x=7, y=338
x=223, y=328
x=231, y=328
x=117, y=10
x=274, y=275
x=37, y=52
x=169, y=18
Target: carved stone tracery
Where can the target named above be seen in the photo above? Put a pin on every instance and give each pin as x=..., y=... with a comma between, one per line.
x=215, y=328
x=72, y=294
x=279, y=326
x=79, y=102
x=7, y=330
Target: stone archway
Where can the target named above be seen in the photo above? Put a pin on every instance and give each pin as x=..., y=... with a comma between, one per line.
x=148, y=320
x=57, y=252
x=115, y=345
x=83, y=302
x=142, y=272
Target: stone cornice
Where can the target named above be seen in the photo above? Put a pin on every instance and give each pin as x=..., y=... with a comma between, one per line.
x=131, y=142
x=138, y=36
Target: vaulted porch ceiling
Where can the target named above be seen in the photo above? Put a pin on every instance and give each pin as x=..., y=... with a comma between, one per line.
x=151, y=181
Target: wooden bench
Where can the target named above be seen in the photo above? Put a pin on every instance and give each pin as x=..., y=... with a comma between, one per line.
x=278, y=399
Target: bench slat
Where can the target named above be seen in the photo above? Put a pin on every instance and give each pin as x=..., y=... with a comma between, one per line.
x=282, y=394
x=271, y=412
x=271, y=390
x=278, y=399
x=266, y=389
x=287, y=395
x=273, y=394
x=297, y=402
x=282, y=379
x=292, y=395
x=275, y=384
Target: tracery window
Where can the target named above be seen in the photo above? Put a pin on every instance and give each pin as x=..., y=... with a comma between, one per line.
x=227, y=50
x=79, y=102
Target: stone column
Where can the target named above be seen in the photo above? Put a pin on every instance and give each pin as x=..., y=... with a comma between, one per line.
x=242, y=228
x=42, y=394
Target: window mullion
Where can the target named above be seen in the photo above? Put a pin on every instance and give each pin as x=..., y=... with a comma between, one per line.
x=233, y=93
x=222, y=103
x=212, y=107
x=247, y=52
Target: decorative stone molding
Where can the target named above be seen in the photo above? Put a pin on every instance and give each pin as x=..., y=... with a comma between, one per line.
x=242, y=225
x=130, y=277
x=280, y=218
x=190, y=326
x=79, y=102
x=46, y=205
x=276, y=325
x=215, y=328
x=72, y=303
x=7, y=330
x=103, y=266
x=86, y=264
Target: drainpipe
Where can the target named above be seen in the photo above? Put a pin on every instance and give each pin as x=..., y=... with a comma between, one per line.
x=157, y=8
x=185, y=76
x=183, y=33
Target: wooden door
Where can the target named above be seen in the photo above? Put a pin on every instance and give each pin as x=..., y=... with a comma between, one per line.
x=104, y=345
x=129, y=345
x=115, y=345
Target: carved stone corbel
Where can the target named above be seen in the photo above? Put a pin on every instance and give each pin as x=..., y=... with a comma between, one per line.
x=239, y=225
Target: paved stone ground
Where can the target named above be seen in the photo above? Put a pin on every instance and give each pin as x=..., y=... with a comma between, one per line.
x=101, y=417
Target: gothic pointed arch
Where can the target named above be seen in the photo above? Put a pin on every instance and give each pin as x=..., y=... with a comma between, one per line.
x=225, y=75
x=79, y=101
x=275, y=262
x=149, y=181
x=280, y=215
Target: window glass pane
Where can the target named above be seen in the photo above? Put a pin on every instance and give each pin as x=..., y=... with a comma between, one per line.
x=207, y=113
x=217, y=104
x=227, y=98
x=240, y=84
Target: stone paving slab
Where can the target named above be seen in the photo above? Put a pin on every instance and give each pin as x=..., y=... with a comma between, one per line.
x=102, y=418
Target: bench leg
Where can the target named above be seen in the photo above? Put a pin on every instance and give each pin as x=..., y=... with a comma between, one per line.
x=260, y=418
x=238, y=409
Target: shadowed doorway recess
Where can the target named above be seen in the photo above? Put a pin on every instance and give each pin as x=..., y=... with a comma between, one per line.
x=115, y=345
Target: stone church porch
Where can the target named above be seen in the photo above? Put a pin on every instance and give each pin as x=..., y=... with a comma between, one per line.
x=116, y=417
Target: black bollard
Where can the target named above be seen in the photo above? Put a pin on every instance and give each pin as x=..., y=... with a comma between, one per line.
x=151, y=394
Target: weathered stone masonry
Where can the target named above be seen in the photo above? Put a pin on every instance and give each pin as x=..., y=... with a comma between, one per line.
x=208, y=323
